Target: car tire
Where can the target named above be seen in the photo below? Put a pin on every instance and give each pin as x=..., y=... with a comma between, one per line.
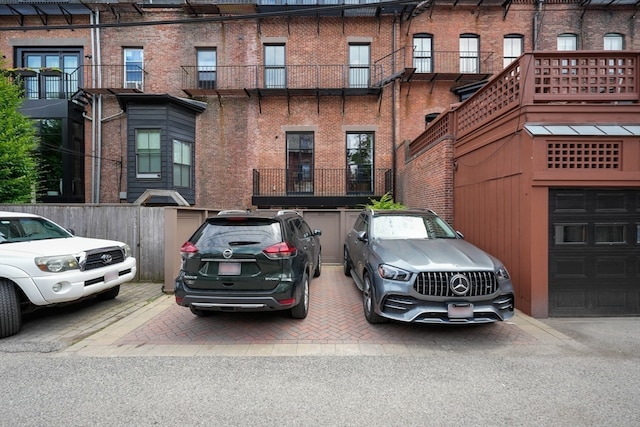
x=318, y=269
x=368, y=302
x=110, y=294
x=346, y=264
x=10, y=313
x=301, y=310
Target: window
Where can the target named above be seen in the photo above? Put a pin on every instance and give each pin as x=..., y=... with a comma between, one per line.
x=206, y=68
x=148, y=153
x=469, y=53
x=300, y=162
x=512, y=48
x=360, y=162
x=274, y=66
x=359, y=65
x=56, y=73
x=570, y=234
x=610, y=233
x=50, y=156
x=567, y=42
x=181, y=164
x=133, y=68
x=422, y=53
x=613, y=41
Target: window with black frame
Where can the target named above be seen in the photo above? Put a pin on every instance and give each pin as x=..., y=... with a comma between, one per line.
x=360, y=162
x=300, y=168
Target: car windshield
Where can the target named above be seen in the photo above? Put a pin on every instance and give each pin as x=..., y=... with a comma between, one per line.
x=29, y=228
x=237, y=232
x=411, y=227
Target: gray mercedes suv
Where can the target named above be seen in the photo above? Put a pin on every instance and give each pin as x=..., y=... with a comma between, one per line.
x=249, y=261
x=411, y=266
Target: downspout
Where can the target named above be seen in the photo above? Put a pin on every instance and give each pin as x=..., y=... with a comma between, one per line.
x=537, y=21
x=393, y=107
x=99, y=108
x=93, y=109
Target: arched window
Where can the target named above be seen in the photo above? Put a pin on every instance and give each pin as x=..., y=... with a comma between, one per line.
x=613, y=41
x=469, y=53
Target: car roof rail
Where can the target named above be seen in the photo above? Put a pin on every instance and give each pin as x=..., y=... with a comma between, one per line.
x=234, y=211
x=288, y=211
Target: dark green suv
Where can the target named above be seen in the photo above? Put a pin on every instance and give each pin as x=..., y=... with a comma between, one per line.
x=249, y=261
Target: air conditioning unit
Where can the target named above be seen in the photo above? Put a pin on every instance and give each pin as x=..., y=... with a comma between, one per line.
x=133, y=85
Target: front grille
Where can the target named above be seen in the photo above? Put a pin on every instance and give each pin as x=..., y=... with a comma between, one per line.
x=102, y=258
x=437, y=283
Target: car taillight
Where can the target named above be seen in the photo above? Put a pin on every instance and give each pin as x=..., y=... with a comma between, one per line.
x=280, y=250
x=188, y=249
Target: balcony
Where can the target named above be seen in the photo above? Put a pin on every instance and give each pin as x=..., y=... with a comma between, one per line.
x=463, y=67
x=286, y=80
x=45, y=83
x=322, y=188
x=110, y=79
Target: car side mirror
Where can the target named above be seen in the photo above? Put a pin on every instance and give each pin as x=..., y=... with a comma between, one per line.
x=362, y=236
x=317, y=232
x=460, y=235
x=71, y=230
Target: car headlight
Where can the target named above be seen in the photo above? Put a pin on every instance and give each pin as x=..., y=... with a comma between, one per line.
x=56, y=264
x=393, y=273
x=502, y=273
x=127, y=251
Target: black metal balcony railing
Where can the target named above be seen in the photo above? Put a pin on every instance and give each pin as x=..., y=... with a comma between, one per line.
x=46, y=84
x=452, y=65
x=322, y=182
x=224, y=78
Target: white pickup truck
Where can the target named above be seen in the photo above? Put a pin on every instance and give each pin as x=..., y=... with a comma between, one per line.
x=42, y=264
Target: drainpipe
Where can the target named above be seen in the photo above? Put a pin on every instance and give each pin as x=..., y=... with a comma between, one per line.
x=393, y=106
x=93, y=109
x=536, y=23
x=99, y=111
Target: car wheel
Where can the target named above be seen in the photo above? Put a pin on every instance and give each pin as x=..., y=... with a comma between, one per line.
x=318, y=269
x=110, y=294
x=346, y=264
x=200, y=312
x=10, y=314
x=368, y=301
x=301, y=310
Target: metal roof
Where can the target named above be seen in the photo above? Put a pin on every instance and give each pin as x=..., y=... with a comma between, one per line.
x=538, y=129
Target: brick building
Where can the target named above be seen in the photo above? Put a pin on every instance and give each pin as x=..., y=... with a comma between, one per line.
x=324, y=104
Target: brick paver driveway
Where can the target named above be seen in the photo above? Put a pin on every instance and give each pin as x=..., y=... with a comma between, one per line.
x=335, y=317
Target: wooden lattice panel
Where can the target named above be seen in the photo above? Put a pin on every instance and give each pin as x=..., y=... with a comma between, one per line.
x=583, y=155
x=585, y=75
x=497, y=97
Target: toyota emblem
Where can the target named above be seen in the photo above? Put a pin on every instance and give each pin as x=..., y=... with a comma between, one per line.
x=459, y=284
x=106, y=258
x=227, y=253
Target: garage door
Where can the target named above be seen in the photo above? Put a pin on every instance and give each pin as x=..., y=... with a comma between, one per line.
x=594, y=252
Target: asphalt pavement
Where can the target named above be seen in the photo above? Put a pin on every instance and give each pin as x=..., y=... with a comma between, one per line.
x=141, y=360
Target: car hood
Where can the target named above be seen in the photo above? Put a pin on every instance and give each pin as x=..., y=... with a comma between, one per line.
x=433, y=254
x=65, y=246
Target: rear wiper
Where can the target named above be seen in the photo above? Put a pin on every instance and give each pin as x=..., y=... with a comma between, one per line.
x=242, y=243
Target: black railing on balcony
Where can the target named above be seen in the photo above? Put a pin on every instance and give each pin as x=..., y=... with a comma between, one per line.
x=320, y=187
x=111, y=78
x=46, y=83
x=409, y=63
x=242, y=78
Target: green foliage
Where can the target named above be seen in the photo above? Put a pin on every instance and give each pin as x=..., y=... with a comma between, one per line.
x=385, y=202
x=18, y=142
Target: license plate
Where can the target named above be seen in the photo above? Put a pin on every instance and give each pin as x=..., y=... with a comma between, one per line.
x=229, y=268
x=112, y=275
x=460, y=311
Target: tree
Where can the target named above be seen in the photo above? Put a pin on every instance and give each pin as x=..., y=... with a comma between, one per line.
x=18, y=142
